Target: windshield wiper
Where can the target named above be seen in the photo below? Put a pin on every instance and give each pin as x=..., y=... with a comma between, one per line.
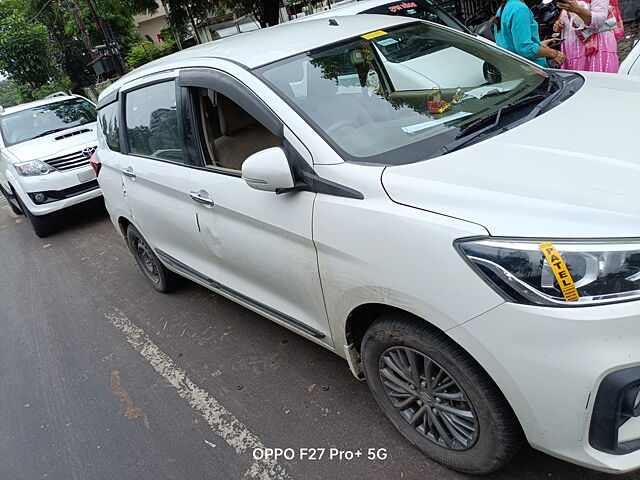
x=465, y=136
x=537, y=110
x=49, y=132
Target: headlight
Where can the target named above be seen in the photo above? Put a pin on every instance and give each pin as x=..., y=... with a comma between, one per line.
x=32, y=168
x=560, y=274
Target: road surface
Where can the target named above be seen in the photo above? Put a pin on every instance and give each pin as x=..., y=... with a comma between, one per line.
x=104, y=378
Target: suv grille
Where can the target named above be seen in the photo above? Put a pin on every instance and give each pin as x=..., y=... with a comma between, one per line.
x=72, y=160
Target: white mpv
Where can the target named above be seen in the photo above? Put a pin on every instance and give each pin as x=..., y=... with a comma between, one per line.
x=45, y=152
x=469, y=244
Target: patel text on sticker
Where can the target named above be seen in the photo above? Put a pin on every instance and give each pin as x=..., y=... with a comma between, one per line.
x=560, y=271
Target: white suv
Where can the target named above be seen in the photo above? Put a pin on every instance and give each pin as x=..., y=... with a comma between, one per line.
x=460, y=240
x=45, y=152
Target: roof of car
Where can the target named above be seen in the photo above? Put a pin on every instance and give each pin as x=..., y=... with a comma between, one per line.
x=36, y=103
x=260, y=47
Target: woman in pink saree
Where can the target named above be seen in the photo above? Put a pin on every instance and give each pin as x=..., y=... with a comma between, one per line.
x=590, y=29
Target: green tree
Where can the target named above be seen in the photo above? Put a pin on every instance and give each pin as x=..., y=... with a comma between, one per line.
x=117, y=15
x=70, y=53
x=189, y=12
x=8, y=93
x=265, y=12
x=145, y=51
x=25, y=50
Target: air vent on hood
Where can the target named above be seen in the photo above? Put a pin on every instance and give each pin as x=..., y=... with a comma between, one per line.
x=71, y=134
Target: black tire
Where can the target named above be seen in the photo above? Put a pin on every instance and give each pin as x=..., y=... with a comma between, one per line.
x=43, y=225
x=488, y=440
x=162, y=279
x=13, y=207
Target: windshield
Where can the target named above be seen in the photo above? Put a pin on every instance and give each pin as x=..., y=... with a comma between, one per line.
x=401, y=95
x=36, y=122
x=418, y=9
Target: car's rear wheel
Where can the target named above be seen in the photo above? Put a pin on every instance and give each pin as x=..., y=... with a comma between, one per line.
x=162, y=279
x=438, y=396
x=43, y=225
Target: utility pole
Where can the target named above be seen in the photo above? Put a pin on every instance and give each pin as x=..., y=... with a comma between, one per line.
x=173, y=30
x=82, y=28
x=105, y=32
x=193, y=23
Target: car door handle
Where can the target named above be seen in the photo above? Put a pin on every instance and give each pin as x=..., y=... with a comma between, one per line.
x=202, y=197
x=128, y=172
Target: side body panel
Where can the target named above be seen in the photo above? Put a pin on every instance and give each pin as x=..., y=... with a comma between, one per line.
x=376, y=251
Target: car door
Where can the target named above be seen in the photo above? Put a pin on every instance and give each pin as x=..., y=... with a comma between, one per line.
x=156, y=174
x=261, y=241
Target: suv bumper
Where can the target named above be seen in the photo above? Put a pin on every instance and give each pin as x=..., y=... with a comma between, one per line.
x=60, y=189
x=550, y=364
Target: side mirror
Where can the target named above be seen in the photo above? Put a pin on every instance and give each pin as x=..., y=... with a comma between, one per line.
x=268, y=170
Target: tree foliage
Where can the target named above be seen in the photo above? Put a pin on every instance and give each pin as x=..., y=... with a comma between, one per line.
x=265, y=12
x=42, y=48
x=189, y=12
x=8, y=93
x=70, y=54
x=25, y=50
x=145, y=51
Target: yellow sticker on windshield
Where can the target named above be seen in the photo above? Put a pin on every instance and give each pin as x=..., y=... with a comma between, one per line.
x=560, y=270
x=377, y=33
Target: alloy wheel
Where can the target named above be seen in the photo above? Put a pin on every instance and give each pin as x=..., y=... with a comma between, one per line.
x=428, y=398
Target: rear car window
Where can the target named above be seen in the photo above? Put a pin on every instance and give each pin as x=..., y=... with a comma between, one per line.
x=152, y=122
x=108, y=119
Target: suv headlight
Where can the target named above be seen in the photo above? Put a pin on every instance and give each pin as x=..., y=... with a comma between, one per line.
x=558, y=274
x=33, y=168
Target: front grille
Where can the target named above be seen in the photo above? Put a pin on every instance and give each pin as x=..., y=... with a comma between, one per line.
x=71, y=134
x=72, y=160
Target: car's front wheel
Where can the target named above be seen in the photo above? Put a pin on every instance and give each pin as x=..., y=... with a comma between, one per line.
x=439, y=398
x=162, y=279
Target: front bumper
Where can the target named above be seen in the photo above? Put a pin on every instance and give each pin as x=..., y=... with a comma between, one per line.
x=550, y=362
x=61, y=190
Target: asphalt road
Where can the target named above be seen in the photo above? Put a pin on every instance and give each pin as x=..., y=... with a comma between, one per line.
x=101, y=377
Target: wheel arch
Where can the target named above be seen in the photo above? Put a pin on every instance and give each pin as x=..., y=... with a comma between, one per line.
x=123, y=224
x=363, y=316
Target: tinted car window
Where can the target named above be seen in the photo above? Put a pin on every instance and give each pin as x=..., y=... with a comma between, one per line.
x=108, y=118
x=47, y=119
x=152, y=122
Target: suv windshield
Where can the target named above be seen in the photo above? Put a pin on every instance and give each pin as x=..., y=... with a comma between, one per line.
x=405, y=94
x=39, y=121
x=418, y=9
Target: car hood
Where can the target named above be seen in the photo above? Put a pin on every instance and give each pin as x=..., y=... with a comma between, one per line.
x=48, y=147
x=572, y=172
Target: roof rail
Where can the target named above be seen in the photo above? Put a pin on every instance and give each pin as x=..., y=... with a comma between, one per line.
x=57, y=94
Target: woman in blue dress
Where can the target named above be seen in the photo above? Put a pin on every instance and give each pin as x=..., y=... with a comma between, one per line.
x=517, y=31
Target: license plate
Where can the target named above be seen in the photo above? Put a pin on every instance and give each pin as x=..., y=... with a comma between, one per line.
x=86, y=175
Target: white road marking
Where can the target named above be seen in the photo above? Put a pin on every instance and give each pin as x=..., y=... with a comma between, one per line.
x=221, y=421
